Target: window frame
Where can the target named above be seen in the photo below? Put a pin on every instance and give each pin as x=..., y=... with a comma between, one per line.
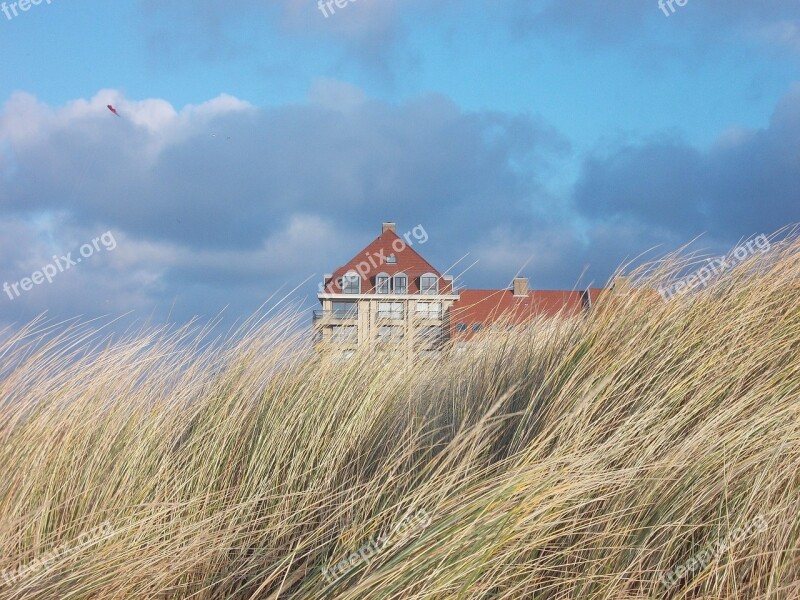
x=422, y=288
x=391, y=333
x=431, y=334
x=351, y=276
x=397, y=276
x=432, y=310
x=337, y=312
x=344, y=334
x=383, y=287
x=393, y=313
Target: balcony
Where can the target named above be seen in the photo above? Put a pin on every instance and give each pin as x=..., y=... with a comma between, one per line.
x=336, y=315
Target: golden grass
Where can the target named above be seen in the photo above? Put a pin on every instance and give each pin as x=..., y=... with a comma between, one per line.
x=574, y=459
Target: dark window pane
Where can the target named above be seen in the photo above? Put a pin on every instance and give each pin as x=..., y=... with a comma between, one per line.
x=400, y=284
x=382, y=284
x=345, y=310
x=429, y=284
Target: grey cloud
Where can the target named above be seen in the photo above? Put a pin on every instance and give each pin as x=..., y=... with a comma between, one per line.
x=368, y=31
x=775, y=22
x=748, y=183
x=228, y=179
x=226, y=201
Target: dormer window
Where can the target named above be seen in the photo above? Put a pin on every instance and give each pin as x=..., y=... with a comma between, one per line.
x=382, y=284
x=351, y=283
x=400, y=283
x=429, y=284
x=391, y=259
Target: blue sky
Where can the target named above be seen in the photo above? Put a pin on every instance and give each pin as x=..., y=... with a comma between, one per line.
x=263, y=144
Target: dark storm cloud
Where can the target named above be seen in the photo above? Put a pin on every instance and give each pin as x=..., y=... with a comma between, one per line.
x=747, y=183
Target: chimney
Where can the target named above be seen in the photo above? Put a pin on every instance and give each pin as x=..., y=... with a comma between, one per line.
x=520, y=286
x=389, y=227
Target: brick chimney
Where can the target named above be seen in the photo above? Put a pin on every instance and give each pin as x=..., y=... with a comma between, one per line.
x=520, y=286
x=389, y=227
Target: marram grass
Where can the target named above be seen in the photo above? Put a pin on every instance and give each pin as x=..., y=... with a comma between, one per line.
x=622, y=455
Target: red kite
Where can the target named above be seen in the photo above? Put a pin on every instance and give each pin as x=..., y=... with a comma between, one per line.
x=113, y=110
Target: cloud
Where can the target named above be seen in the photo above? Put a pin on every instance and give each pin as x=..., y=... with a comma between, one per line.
x=747, y=183
x=110, y=281
x=223, y=202
x=368, y=32
x=597, y=21
x=624, y=22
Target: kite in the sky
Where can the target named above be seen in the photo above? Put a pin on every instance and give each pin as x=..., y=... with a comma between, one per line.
x=113, y=110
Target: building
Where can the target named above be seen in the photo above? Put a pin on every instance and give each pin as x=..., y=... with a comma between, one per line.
x=389, y=295
x=477, y=309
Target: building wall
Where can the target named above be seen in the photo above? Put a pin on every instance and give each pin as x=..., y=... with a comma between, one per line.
x=370, y=321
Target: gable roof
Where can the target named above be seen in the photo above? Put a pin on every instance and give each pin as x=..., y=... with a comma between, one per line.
x=372, y=260
x=484, y=307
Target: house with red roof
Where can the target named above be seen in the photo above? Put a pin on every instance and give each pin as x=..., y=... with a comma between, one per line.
x=477, y=309
x=388, y=294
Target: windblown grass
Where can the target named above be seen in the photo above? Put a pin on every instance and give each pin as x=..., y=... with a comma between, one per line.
x=576, y=459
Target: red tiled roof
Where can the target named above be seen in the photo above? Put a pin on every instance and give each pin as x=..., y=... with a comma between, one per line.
x=484, y=307
x=372, y=261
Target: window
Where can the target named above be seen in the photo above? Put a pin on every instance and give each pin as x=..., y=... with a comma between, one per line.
x=345, y=334
x=382, y=284
x=429, y=284
x=390, y=310
x=390, y=333
x=430, y=334
x=345, y=310
x=351, y=283
x=476, y=328
x=400, y=284
x=429, y=310
x=461, y=327
x=391, y=259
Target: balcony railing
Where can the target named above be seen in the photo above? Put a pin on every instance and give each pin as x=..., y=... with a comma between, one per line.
x=342, y=315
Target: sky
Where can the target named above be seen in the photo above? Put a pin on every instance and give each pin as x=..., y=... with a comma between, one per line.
x=260, y=144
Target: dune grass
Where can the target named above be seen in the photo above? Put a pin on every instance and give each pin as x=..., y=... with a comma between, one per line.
x=580, y=458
